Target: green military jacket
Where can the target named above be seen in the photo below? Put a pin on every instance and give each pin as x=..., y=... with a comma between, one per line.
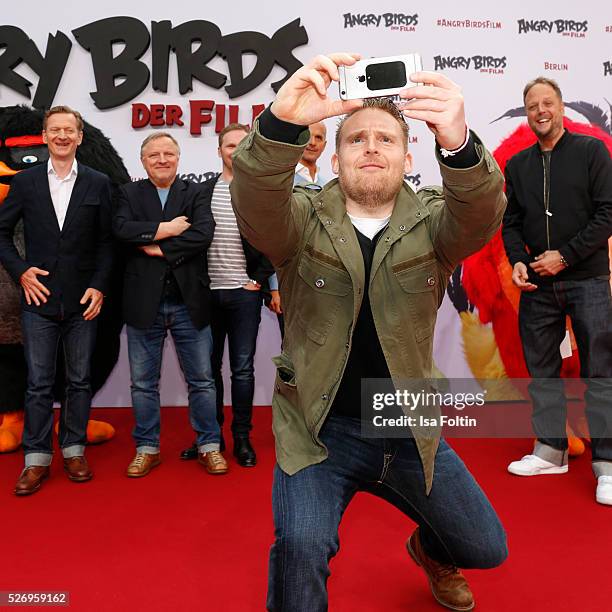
x=309, y=238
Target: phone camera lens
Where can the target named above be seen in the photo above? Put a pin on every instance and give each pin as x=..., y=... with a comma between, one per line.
x=361, y=78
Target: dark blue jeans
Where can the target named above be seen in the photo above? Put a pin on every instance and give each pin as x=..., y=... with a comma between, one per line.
x=193, y=348
x=457, y=523
x=542, y=315
x=41, y=339
x=236, y=314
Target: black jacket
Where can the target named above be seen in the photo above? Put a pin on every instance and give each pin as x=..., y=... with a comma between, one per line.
x=78, y=256
x=259, y=267
x=138, y=213
x=580, y=202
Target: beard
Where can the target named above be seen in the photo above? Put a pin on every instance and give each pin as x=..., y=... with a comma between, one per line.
x=371, y=192
x=550, y=130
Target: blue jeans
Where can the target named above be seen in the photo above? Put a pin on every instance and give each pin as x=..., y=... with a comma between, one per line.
x=193, y=348
x=457, y=523
x=236, y=314
x=41, y=339
x=542, y=316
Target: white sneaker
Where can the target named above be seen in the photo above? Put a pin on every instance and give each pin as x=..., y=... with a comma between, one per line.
x=532, y=465
x=604, y=490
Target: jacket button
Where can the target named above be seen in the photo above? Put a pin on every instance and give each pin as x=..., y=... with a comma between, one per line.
x=328, y=222
x=324, y=397
x=431, y=281
x=342, y=239
x=418, y=215
x=402, y=228
x=388, y=239
x=319, y=283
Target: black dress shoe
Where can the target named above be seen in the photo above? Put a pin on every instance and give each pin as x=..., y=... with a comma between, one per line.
x=192, y=451
x=244, y=453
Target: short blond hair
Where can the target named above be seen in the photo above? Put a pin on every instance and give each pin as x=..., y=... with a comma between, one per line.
x=233, y=127
x=155, y=136
x=64, y=110
x=543, y=81
x=383, y=104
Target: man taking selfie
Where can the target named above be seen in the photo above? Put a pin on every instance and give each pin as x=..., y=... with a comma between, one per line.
x=363, y=266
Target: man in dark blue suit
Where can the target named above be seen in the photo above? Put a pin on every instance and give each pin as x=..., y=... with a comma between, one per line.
x=66, y=212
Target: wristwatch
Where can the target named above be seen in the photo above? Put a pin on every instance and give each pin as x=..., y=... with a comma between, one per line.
x=564, y=262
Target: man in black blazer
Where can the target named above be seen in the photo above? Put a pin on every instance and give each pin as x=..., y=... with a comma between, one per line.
x=167, y=226
x=65, y=208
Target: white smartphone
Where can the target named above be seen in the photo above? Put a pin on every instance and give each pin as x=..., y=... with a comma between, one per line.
x=378, y=76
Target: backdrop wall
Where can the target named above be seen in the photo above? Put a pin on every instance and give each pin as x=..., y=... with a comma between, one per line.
x=490, y=50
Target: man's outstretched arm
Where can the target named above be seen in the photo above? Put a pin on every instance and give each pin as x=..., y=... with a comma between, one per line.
x=268, y=215
x=262, y=191
x=467, y=212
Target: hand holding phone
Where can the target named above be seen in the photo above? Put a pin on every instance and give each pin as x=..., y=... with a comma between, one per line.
x=439, y=105
x=379, y=76
x=303, y=99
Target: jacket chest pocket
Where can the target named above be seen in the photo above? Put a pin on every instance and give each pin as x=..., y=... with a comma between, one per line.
x=420, y=286
x=90, y=206
x=322, y=289
x=88, y=210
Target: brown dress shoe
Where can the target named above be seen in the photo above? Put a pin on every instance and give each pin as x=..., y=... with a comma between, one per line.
x=448, y=584
x=142, y=464
x=213, y=461
x=77, y=470
x=30, y=479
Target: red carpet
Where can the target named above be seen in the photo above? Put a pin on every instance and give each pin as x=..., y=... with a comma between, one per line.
x=180, y=539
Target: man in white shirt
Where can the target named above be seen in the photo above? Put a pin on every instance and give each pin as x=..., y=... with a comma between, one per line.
x=307, y=171
x=65, y=207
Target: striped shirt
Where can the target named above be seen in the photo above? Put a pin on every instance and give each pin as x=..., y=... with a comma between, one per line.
x=227, y=265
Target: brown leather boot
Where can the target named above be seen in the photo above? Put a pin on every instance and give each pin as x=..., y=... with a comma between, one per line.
x=448, y=584
x=77, y=470
x=30, y=479
x=213, y=461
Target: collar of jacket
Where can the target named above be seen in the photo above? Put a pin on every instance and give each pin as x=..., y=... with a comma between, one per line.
x=177, y=184
x=169, y=211
x=330, y=207
x=558, y=145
